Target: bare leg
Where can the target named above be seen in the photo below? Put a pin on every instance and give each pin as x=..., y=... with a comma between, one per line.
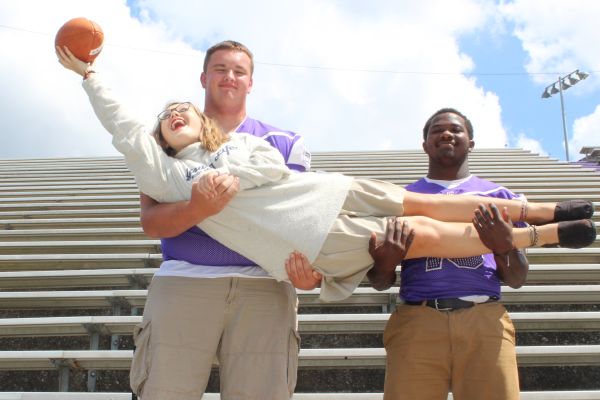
x=457, y=239
x=461, y=208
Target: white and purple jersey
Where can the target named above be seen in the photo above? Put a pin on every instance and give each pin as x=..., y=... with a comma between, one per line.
x=436, y=278
x=195, y=246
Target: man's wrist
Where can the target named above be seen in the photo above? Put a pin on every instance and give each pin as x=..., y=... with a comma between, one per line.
x=197, y=213
x=505, y=253
x=382, y=277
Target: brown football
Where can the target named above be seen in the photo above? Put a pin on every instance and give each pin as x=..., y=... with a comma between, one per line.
x=83, y=37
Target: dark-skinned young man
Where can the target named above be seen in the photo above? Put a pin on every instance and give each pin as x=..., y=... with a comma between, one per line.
x=450, y=333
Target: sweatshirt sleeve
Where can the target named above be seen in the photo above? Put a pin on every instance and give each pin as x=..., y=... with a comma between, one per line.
x=265, y=164
x=144, y=157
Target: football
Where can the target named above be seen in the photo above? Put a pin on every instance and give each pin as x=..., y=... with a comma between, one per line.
x=83, y=37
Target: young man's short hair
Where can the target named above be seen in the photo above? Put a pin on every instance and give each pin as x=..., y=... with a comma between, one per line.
x=228, y=45
x=445, y=110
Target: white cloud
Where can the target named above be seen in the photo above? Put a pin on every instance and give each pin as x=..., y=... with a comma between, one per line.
x=530, y=144
x=345, y=107
x=586, y=132
x=558, y=35
x=352, y=103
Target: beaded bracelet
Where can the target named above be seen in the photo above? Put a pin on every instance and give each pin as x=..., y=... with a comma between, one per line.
x=87, y=73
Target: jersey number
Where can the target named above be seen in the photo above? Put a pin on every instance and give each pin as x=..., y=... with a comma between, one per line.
x=434, y=263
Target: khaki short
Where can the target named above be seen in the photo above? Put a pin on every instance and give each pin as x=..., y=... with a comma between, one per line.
x=344, y=258
x=374, y=198
x=470, y=352
x=248, y=325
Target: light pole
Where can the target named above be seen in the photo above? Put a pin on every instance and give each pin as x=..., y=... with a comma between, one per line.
x=563, y=83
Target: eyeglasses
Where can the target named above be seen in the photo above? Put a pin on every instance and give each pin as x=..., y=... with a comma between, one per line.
x=165, y=114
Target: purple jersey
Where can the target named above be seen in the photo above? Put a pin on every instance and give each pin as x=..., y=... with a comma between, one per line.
x=430, y=277
x=195, y=246
x=289, y=144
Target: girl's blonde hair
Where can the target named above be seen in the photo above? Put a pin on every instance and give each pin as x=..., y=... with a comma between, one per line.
x=211, y=137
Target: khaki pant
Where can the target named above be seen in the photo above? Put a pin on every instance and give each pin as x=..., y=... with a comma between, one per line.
x=248, y=325
x=469, y=352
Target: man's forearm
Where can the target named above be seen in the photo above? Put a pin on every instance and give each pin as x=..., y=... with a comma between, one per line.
x=172, y=219
x=163, y=220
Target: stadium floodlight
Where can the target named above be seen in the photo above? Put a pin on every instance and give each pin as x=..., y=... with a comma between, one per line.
x=581, y=75
x=563, y=83
x=546, y=94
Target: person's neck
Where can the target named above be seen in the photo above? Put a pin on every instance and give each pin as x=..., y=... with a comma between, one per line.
x=448, y=173
x=228, y=120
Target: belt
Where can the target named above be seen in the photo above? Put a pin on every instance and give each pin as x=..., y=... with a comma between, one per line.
x=447, y=304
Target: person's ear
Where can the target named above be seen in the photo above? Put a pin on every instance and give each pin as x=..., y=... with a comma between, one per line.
x=471, y=145
x=423, y=146
x=203, y=80
x=250, y=85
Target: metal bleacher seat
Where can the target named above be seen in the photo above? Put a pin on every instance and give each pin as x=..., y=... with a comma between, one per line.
x=362, y=296
x=41, y=234
x=98, y=222
x=308, y=323
x=559, y=395
x=70, y=240
x=61, y=279
x=140, y=277
x=325, y=358
x=321, y=358
x=33, y=262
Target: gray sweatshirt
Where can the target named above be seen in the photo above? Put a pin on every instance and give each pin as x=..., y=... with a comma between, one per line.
x=275, y=212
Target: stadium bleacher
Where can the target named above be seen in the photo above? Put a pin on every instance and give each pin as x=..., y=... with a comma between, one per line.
x=75, y=267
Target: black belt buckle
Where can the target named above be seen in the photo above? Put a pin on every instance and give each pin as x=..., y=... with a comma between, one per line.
x=436, y=305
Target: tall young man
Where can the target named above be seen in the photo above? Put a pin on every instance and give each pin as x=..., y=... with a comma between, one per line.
x=207, y=302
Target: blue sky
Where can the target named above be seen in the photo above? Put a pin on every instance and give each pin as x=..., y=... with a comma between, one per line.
x=523, y=109
x=347, y=74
